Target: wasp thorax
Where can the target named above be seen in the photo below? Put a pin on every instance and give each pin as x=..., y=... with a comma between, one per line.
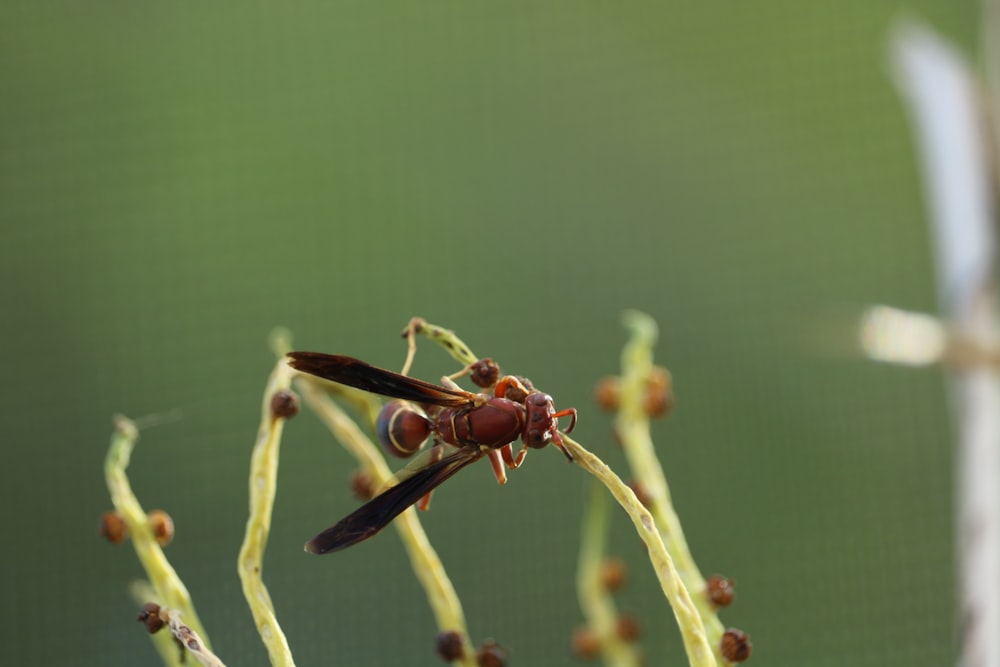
x=402, y=428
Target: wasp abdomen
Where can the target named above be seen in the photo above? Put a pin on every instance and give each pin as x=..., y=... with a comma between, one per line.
x=402, y=428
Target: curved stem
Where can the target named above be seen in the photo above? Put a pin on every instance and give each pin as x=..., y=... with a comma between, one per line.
x=168, y=587
x=689, y=620
x=263, y=486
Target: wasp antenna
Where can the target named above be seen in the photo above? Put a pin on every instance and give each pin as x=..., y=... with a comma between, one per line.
x=557, y=441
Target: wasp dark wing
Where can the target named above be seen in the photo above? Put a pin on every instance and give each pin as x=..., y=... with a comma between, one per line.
x=356, y=373
x=378, y=512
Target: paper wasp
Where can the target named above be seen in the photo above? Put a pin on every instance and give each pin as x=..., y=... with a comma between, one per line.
x=473, y=425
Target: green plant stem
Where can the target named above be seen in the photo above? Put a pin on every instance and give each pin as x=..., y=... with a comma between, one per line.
x=692, y=629
x=595, y=600
x=446, y=338
x=426, y=563
x=263, y=486
x=632, y=426
x=170, y=591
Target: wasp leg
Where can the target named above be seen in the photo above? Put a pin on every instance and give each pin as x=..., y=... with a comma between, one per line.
x=424, y=503
x=447, y=381
x=497, y=464
x=507, y=451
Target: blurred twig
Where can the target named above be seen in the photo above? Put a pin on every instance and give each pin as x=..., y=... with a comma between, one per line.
x=632, y=427
x=691, y=626
x=596, y=600
x=944, y=101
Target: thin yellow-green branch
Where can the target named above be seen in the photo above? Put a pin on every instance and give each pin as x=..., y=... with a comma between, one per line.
x=263, y=486
x=595, y=600
x=169, y=589
x=426, y=563
x=632, y=427
x=446, y=338
x=689, y=620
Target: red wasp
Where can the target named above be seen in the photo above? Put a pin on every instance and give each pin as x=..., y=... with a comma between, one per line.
x=476, y=424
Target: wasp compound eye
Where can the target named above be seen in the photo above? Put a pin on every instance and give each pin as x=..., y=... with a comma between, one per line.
x=537, y=438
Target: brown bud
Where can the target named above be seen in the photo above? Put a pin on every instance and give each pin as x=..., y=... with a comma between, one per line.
x=491, y=654
x=720, y=590
x=607, y=393
x=627, y=627
x=484, y=373
x=449, y=645
x=658, y=403
x=113, y=527
x=614, y=573
x=659, y=378
x=162, y=526
x=658, y=400
x=736, y=645
x=284, y=404
x=150, y=616
x=585, y=644
x=363, y=485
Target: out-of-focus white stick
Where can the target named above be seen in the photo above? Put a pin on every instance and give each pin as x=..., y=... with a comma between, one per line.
x=941, y=94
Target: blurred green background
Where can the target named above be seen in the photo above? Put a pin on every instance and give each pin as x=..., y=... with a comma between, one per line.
x=176, y=179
